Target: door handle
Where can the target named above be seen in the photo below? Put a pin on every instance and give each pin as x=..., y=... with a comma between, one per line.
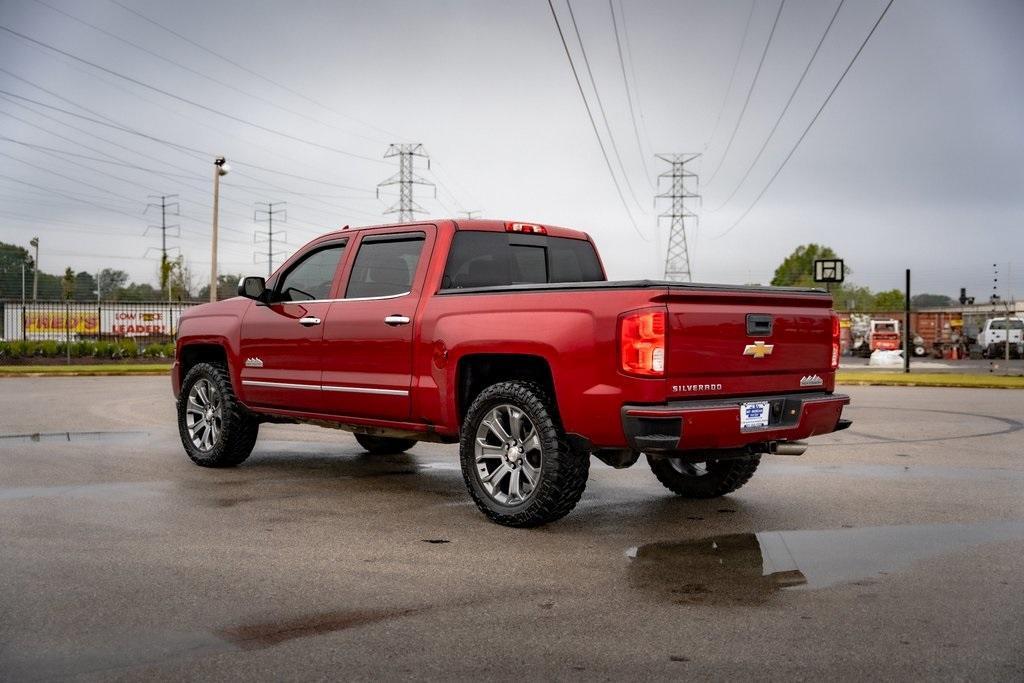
x=394, y=320
x=309, y=321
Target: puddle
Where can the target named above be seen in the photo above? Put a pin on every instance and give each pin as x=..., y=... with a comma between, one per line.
x=443, y=466
x=750, y=568
x=71, y=437
x=883, y=471
x=256, y=636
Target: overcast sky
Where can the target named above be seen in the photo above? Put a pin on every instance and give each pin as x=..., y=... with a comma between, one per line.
x=915, y=162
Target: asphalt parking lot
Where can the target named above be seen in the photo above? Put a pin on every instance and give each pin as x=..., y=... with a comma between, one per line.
x=893, y=549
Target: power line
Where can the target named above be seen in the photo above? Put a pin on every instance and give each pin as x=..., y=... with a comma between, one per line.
x=256, y=74
x=750, y=91
x=792, y=96
x=195, y=152
x=593, y=124
x=196, y=72
x=809, y=125
x=186, y=100
x=732, y=78
x=629, y=96
x=600, y=104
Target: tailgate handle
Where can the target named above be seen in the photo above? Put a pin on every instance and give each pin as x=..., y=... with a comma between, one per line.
x=759, y=325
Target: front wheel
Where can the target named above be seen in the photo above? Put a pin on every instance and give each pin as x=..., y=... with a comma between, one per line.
x=709, y=479
x=516, y=462
x=216, y=430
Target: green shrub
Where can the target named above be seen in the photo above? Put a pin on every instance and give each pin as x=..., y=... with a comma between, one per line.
x=103, y=349
x=82, y=348
x=125, y=348
x=19, y=349
x=48, y=348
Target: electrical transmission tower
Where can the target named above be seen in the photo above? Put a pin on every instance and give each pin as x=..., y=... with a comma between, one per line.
x=267, y=215
x=166, y=208
x=406, y=208
x=684, y=185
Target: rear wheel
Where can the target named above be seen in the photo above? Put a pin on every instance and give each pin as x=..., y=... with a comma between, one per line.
x=384, y=445
x=517, y=464
x=709, y=479
x=216, y=430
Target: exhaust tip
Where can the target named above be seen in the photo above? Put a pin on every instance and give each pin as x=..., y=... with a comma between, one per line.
x=788, y=447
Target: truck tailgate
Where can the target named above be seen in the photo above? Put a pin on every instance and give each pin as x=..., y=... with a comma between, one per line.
x=733, y=343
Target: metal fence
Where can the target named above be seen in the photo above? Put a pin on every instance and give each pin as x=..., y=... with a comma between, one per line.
x=39, y=331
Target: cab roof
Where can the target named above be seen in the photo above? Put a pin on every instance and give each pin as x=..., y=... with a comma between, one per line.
x=476, y=224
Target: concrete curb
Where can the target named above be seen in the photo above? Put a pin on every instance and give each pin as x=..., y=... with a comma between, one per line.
x=955, y=382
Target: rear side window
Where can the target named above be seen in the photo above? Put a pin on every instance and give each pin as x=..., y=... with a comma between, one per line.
x=493, y=259
x=385, y=266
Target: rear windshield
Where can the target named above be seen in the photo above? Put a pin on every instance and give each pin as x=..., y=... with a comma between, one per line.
x=491, y=259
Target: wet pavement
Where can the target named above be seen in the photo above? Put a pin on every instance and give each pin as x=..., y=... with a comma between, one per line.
x=894, y=549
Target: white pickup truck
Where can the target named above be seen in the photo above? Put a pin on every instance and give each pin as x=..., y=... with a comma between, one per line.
x=994, y=336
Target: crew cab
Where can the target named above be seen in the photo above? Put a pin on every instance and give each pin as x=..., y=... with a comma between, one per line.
x=1000, y=332
x=506, y=338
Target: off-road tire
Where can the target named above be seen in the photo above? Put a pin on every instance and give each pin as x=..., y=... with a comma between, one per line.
x=384, y=445
x=722, y=477
x=563, y=470
x=239, y=428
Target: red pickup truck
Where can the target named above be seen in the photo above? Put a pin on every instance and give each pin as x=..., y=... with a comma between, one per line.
x=507, y=338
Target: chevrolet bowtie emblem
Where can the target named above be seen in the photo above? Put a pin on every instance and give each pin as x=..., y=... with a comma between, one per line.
x=758, y=349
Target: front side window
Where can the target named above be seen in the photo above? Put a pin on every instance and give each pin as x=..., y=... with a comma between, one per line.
x=312, y=277
x=385, y=266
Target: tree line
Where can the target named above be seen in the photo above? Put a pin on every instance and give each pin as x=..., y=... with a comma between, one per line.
x=109, y=284
x=797, y=270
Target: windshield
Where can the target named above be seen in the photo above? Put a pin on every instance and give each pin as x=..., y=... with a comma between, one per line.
x=1015, y=324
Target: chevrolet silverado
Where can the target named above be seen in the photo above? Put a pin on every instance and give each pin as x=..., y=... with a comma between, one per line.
x=506, y=338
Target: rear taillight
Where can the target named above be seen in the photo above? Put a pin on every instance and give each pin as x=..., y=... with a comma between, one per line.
x=642, y=342
x=835, y=341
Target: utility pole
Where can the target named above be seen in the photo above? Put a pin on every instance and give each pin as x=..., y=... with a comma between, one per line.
x=35, y=269
x=683, y=185
x=268, y=234
x=906, y=326
x=220, y=167
x=406, y=208
x=164, y=206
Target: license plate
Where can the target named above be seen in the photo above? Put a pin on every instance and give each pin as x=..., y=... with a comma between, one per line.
x=754, y=414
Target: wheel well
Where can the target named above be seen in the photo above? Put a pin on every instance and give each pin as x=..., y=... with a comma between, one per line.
x=477, y=372
x=194, y=354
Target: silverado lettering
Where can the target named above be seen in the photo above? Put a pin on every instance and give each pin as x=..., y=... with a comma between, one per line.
x=696, y=387
x=507, y=339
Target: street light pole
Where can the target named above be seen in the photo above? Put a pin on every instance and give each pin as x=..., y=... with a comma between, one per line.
x=35, y=269
x=220, y=167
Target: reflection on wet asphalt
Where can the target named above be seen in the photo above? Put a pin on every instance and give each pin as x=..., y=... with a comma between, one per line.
x=747, y=568
x=871, y=555
x=10, y=440
x=260, y=635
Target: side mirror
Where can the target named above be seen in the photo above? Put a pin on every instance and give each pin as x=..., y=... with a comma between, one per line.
x=253, y=288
